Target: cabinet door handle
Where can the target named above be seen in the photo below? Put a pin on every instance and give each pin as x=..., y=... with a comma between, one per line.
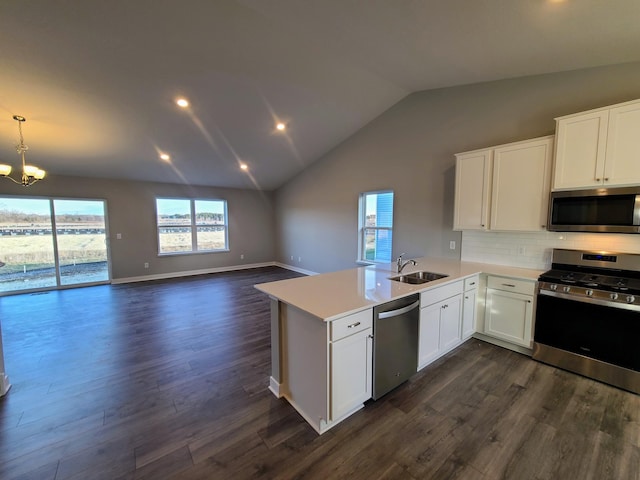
x=472, y=284
x=353, y=325
x=597, y=179
x=606, y=179
x=509, y=285
x=528, y=301
x=466, y=298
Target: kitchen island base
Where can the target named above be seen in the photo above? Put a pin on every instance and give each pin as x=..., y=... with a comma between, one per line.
x=323, y=369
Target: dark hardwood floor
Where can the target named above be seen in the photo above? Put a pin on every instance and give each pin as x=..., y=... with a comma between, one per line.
x=169, y=379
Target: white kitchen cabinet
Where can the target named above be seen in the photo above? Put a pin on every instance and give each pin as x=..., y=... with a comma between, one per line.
x=521, y=185
x=504, y=187
x=351, y=376
x=509, y=309
x=351, y=361
x=429, y=334
x=598, y=148
x=440, y=317
x=324, y=367
x=622, y=160
x=469, y=306
x=450, y=315
x=473, y=190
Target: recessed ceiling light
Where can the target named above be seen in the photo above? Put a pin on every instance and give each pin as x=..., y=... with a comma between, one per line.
x=281, y=126
x=165, y=156
x=182, y=102
x=244, y=166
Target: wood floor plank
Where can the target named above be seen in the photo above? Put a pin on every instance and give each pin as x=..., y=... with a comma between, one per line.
x=394, y=471
x=621, y=417
x=578, y=433
x=165, y=466
x=533, y=458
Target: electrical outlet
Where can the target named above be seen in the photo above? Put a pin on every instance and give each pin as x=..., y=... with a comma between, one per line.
x=452, y=245
x=299, y=259
x=292, y=258
x=146, y=264
x=118, y=236
x=242, y=256
x=522, y=250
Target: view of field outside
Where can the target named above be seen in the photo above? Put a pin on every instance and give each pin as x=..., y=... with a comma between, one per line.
x=176, y=225
x=378, y=226
x=27, y=254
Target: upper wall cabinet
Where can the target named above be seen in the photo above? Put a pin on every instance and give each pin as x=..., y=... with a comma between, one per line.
x=504, y=187
x=598, y=148
x=473, y=190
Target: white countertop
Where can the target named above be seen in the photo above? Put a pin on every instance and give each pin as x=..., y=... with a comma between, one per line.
x=332, y=295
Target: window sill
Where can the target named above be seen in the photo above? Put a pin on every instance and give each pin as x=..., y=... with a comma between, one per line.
x=198, y=252
x=365, y=263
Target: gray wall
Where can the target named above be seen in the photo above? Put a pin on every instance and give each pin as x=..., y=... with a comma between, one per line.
x=131, y=212
x=313, y=217
x=410, y=149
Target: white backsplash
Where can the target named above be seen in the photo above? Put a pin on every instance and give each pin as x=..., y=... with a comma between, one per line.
x=533, y=249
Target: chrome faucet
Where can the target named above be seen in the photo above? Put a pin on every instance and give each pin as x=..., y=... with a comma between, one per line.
x=402, y=265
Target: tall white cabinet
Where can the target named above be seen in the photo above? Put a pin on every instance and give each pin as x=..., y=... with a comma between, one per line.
x=521, y=185
x=491, y=194
x=473, y=190
x=598, y=148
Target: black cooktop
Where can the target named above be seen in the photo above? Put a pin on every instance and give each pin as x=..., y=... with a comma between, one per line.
x=595, y=280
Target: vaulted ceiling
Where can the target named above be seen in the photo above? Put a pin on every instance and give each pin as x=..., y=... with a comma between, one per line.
x=97, y=80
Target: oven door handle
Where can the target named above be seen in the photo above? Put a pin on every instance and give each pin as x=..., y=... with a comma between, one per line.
x=594, y=301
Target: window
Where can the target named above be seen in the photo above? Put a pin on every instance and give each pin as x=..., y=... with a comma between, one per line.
x=187, y=225
x=375, y=226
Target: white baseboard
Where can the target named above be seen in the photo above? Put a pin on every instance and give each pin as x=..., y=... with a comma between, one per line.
x=275, y=387
x=4, y=384
x=204, y=271
x=295, y=269
x=189, y=273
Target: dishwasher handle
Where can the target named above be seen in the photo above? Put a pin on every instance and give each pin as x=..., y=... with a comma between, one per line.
x=399, y=311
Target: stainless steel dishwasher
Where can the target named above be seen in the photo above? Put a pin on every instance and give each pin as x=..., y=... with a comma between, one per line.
x=395, y=343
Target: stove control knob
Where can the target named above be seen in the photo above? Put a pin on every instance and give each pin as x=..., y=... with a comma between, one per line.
x=631, y=299
x=613, y=296
x=553, y=287
x=566, y=289
x=589, y=293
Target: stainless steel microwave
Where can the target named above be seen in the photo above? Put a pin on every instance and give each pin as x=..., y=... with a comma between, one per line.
x=606, y=210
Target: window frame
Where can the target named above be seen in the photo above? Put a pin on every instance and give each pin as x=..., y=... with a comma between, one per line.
x=362, y=227
x=193, y=226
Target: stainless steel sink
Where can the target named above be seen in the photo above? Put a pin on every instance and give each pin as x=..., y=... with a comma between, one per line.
x=416, y=278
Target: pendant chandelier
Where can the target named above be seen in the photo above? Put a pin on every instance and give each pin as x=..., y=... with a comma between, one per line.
x=30, y=173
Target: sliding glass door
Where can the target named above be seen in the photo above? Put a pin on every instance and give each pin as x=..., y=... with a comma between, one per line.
x=48, y=243
x=81, y=241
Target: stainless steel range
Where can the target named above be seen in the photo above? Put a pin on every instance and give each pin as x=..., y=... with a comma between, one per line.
x=588, y=316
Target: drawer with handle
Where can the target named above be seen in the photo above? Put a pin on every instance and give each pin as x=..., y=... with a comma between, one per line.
x=526, y=287
x=471, y=282
x=354, y=323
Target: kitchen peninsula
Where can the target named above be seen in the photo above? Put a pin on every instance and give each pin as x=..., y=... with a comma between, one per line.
x=322, y=328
